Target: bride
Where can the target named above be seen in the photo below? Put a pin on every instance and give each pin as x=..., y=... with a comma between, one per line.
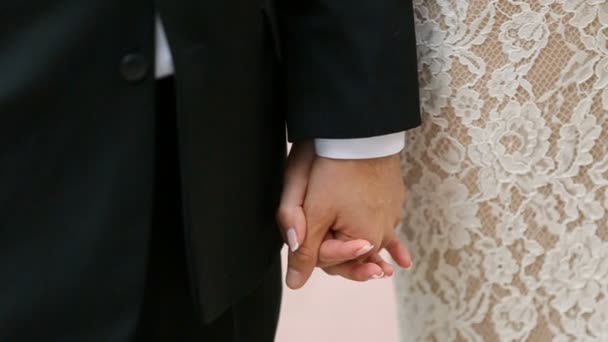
x=508, y=176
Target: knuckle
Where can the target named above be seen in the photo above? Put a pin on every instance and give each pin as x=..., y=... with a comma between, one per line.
x=378, y=244
x=383, y=245
x=305, y=255
x=325, y=260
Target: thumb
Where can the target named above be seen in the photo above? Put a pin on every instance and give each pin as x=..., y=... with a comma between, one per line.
x=290, y=215
x=302, y=263
x=292, y=223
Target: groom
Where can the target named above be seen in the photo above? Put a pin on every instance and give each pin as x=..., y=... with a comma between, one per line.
x=139, y=183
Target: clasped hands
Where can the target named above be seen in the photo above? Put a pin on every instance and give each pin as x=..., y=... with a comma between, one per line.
x=339, y=214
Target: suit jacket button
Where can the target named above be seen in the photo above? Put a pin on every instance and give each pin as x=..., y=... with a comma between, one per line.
x=134, y=67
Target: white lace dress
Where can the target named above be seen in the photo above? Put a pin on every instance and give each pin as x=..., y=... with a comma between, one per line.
x=507, y=215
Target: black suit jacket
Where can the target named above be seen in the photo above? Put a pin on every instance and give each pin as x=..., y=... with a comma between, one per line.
x=77, y=136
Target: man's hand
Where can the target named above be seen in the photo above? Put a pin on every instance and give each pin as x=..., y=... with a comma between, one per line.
x=351, y=206
x=333, y=252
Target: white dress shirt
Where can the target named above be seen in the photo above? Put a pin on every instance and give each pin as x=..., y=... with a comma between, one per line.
x=361, y=148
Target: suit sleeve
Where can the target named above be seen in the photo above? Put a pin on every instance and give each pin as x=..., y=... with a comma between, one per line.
x=350, y=67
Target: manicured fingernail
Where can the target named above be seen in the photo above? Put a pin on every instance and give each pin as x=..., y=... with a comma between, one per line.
x=409, y=267
x=364, y=250
x=377, y=276
x=292, y=240
x=294, y=278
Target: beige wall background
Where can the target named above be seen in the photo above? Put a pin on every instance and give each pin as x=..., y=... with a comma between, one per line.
x=331, y=309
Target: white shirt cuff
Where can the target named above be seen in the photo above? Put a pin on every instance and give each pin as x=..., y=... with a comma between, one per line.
x=361, y=148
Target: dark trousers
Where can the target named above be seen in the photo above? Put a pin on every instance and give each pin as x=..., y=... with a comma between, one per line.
x=169, y=312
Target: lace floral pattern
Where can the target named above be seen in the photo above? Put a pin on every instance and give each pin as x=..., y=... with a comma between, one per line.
x=507, y=215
